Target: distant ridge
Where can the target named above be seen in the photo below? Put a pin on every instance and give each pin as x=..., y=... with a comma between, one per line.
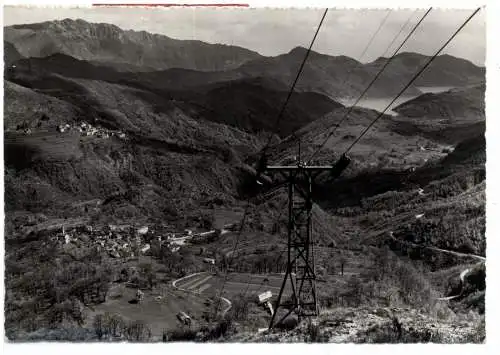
x=108, y=43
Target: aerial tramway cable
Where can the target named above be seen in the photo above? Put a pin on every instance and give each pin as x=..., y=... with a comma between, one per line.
x=345, y=116
x=294, y=83
x=263, y=151
x=368, y=45
x=293, y=136
x=365, y=49
x=373, y=122
x=399, y=33
x=412, y=80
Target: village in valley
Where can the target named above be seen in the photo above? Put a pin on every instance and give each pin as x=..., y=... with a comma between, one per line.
x=163, y=188
x=127, y=241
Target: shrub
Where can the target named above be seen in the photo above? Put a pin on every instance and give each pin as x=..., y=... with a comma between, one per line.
x=313, y=333
x=137, y=331
x=221, y=329
x=394, y=332
x=239, y=308
x=289, y=323
x=181, y=334
x=207, y=221
x=478, y=335
x=394, y=273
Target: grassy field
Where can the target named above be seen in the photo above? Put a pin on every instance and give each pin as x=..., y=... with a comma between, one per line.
x=158, y=309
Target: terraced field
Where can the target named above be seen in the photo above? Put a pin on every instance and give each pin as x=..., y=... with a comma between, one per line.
x=208, y=284
x=49, y=145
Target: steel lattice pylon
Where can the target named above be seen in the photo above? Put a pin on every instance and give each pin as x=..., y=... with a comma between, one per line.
x=300, y=271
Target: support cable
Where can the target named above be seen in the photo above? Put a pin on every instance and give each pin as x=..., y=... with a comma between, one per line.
x=276, y=126
x=399, y=33
x=345, y=116
x=412, y=80
x=366, y=47
x=361, y=56
x=292, y=88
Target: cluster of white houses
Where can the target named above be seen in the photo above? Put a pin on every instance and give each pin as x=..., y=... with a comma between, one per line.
x=119, y=241
x=128, y=241
x=86, y=129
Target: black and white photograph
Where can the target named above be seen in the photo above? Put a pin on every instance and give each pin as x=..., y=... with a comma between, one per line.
x=244, y=175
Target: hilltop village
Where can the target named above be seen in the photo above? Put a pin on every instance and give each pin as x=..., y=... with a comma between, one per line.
x=86, y=129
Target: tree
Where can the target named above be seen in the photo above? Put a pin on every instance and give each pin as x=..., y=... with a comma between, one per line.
x=343, y=262
x=98, y=325
x=149, y=274
x=151, y=277
x=113, y=324
x=355, y=290
x=207, y=221
x=240, y=307
x=138, y=331
x=124, y=275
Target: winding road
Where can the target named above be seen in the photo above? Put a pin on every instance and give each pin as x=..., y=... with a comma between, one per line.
x=462, y=275
x=248, y=245
x=462, y=281
x=197, y=282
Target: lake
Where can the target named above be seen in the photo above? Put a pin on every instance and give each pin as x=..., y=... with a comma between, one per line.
x=380, y=104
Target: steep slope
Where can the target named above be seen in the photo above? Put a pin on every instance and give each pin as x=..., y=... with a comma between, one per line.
x=441, y=204
x=167, y=163
x=382, y=147
x=448, y=117
x=332, y=76
x=10, y=53
x=456, y=104
x=108, y=44
x=172, y=79
x=249, y=104
x=335, y=76
x=253, y=105
x=67, y=66
x=464, y=165
x=25, y=108
x=340, y=76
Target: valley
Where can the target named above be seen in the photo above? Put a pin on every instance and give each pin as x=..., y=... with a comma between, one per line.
x=131, y=193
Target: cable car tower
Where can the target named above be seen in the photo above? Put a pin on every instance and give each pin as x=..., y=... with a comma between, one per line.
x=300, y=270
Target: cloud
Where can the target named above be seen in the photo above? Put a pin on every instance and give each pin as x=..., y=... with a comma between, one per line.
x=276, y=31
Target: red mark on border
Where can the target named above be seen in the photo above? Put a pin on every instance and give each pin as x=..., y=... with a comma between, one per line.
x=175, y=5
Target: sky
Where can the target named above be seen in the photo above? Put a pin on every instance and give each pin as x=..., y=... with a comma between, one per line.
x=275, y=31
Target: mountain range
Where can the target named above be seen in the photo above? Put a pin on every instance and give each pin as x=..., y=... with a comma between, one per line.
x=75, y=72
x=105, y=43
x=177, y=127
x=165, y=63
